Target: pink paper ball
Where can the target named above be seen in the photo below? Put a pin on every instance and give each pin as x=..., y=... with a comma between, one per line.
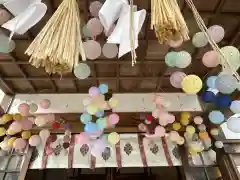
x=176, y=79
x=16, y=127
x=82, y=138
x=94, y=8
x=19, y=144
x=92, y=49
x=160, y=131
x=23, y=109
x=26, y=124
x=34, y=140
x=210, y=59
x=45, y=103
x=164, y=118
x=216, y=32
x=95, y=27
x=94, y=91
x=110, y=50
x=114, y=118
x=171, y=118
x=4, y=16
x=175, y=43
x=198, y=120
x=159, y=100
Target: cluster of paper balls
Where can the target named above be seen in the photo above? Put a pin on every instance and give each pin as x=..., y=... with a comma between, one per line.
x=181, y=59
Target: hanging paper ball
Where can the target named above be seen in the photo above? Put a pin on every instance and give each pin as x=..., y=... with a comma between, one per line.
x=44, y=134
x=26, y=134
x=184, y=122
x=214, y=132
x=170, y=59
x=87, y=101
x=85, y=118
x=190, y=129
x=226, y=83
x=19, y=144
x=92, y=109
x=40, y=121
x=17, y=117
x=102, y=123
x=99, y=114
x=98, y=147
x=183, y=59
x=86, y=32
x=176, y=126
x=211, y=82
x=114, y=118
x=95, y=27
x=176, y=79
x=199, y=40
x=16, y=126
x=56, y=125
x=44, y=104
x=4, y=16
x=94, y=91
x=34, y=140
x=211, y=59
x=180, y=141
x=113, y=138
x=11, y=141
x=223, y=101
x=82, y=71
x=216, y=32
x=202, y=127
x=4, y=146
x=2, y=131
x=233, y=124
x=110, y=50
x=26, y=124
x=191, y=84
x=5, y=45
x=208, y=96
x=185, y=115
x=160, y=131
x=94, y=8
x=216, y=117
x=113, y=102
x=33, y=108
x=92, y=49
x=218, y=144
x=103, y=88
x=198, y=120
x=91, y=127
x=174, y=136
x=232, y=54
x=10, y=132
x=6, y=118
x=235, y=106
x=23, y=109
x=175, y=43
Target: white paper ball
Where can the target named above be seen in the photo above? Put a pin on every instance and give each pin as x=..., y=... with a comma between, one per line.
x=219, y=144
x=199, y=40
x=226, y=83
x=92, y=49
x=82, y=71
x=233, y=124
x=235, y=106
x=183, y=59
x=232, y=54
x=110, y=50
x=216, y=32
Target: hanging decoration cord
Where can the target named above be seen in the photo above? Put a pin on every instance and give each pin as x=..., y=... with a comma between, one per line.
x=132, y=34
x=167, y=21
x=59, y=43
x=226, y=65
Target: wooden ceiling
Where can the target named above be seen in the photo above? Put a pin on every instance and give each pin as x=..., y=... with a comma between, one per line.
x=149, y=75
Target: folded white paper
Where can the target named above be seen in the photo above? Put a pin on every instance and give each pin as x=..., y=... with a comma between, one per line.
x=16, y=7
x=27, y=19
x=110, y=12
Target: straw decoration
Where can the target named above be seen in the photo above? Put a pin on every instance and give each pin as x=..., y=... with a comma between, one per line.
x=132, y=34
x=226, y=65
x=167, y=21
x=58, y=45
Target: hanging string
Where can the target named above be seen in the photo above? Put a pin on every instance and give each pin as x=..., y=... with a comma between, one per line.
x=132, y=34
x=226, y=65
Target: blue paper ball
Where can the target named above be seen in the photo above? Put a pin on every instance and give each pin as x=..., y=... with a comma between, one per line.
x=91, y=127
x=235, y=106
x=85, y=118
x=211, y=82
x=103, y=88
x=223, y=101
x=216, y=117
x=208, y=96
x=99, y=114
x=102, y=123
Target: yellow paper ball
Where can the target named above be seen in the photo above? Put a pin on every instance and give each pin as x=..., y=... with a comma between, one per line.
x=185, y=115
x=7, y=117
x=10, y=132
x=180, y=140
x=26, y=134
x=17, y=117
x=92, y=109
x=2, y=131
x=184, y=122
x=176, y=126
x=214, y=132
x=113, y=102
x=11, y=141
x=190, y=129
x=113, y=138
x=191, y=84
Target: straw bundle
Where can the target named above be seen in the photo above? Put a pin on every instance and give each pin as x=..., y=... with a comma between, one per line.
x=226, y=65
x=58, y=45
x=167, y=20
